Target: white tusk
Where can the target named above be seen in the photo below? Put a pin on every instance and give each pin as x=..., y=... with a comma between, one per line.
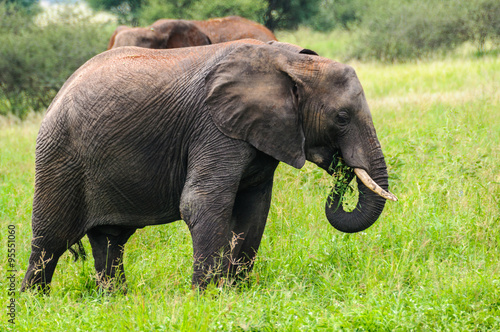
x=370, y=184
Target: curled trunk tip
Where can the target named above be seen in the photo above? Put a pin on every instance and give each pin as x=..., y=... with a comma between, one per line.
x=370, y=204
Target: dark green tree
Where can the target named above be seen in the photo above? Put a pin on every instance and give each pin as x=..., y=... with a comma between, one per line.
x=275, y=14
x=153, y=10
x=483, y=22
x=126, y=10
x=289, y=14
x=333, y=14
x=28, y=7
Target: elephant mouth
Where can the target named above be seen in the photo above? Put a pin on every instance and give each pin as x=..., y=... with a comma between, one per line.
x=344, y=175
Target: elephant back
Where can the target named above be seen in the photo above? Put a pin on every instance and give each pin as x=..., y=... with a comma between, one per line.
x=230, y=28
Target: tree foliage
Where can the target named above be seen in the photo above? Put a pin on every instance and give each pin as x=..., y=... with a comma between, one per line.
x=200, y=10
x=36, y=59
x=289, y=14
x=416, y=28
x=30, y=6
x=335, y=14
x=251, y=9
x=275, y=14
x=483, y=21
x=127, y=11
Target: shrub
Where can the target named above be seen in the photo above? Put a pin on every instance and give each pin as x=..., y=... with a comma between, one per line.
x=201, y=10
x=28, y=6
x=483, y=22
x=37, y=58
x=336, y=14
x=413, y=29
x=251, y=9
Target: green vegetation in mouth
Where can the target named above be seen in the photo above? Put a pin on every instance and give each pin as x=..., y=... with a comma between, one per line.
x=343, y=185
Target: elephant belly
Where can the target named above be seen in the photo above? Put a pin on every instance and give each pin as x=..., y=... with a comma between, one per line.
x=132, y=196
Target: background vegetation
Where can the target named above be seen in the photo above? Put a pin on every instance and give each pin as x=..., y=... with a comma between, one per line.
x=37, y=54
x=430, y=263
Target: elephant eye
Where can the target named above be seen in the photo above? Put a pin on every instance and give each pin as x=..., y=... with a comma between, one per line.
x=343, y=118
x=295, y=92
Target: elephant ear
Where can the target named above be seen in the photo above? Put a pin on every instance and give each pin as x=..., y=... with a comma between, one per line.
x=251, y=97
x=181, y=33
x=113, y=36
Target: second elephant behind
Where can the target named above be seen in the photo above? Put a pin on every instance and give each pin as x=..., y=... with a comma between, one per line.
x=168, y=33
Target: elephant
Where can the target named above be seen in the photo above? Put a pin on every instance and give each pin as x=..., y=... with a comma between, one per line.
x=168, y=33
x=229, y=28
x=139, y=137
x=117, y=30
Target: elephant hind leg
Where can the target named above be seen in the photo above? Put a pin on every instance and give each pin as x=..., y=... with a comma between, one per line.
x=58, y=209
x=40, y=271
x=107, y=248
x=55, y=229
x=46, y=249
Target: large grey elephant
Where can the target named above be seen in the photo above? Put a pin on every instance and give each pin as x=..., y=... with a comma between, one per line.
x=169, y=33
x=140, y=137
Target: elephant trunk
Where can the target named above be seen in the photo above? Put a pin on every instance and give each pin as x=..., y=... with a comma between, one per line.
x=372, y=196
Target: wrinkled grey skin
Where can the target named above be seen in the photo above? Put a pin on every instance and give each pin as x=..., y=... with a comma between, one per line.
x=140, y=137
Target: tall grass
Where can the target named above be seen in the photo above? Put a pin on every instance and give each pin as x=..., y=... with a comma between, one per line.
x=430, y=263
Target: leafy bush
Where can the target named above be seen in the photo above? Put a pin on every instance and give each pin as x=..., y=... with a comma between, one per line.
x=395, y=31
x=275, y=14
x=37, y=58
x=484, y=22
x=200, y=10
x=127, y=11
x=251, y=9
x=412, y=29
x=336, y=14
x=28, y=6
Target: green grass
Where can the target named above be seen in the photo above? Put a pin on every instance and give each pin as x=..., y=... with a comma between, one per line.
x=333, y=45
x=430, y=263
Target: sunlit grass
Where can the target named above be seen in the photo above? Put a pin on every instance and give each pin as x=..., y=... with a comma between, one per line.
x=333, y=45
x=430, y=263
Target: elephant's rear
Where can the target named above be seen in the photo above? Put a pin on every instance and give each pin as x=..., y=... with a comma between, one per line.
x=58, y=201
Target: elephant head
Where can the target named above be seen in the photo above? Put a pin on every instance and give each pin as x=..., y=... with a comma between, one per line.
x=295, y=106
x=161, y=35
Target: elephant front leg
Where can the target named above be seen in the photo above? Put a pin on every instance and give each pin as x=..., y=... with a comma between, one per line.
x=226, y=236
x=210, y=253
x=206, y=207
x=208, y=197
x=250, y=212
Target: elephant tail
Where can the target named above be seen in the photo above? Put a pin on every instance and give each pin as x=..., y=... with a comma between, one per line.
x=78, y=250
